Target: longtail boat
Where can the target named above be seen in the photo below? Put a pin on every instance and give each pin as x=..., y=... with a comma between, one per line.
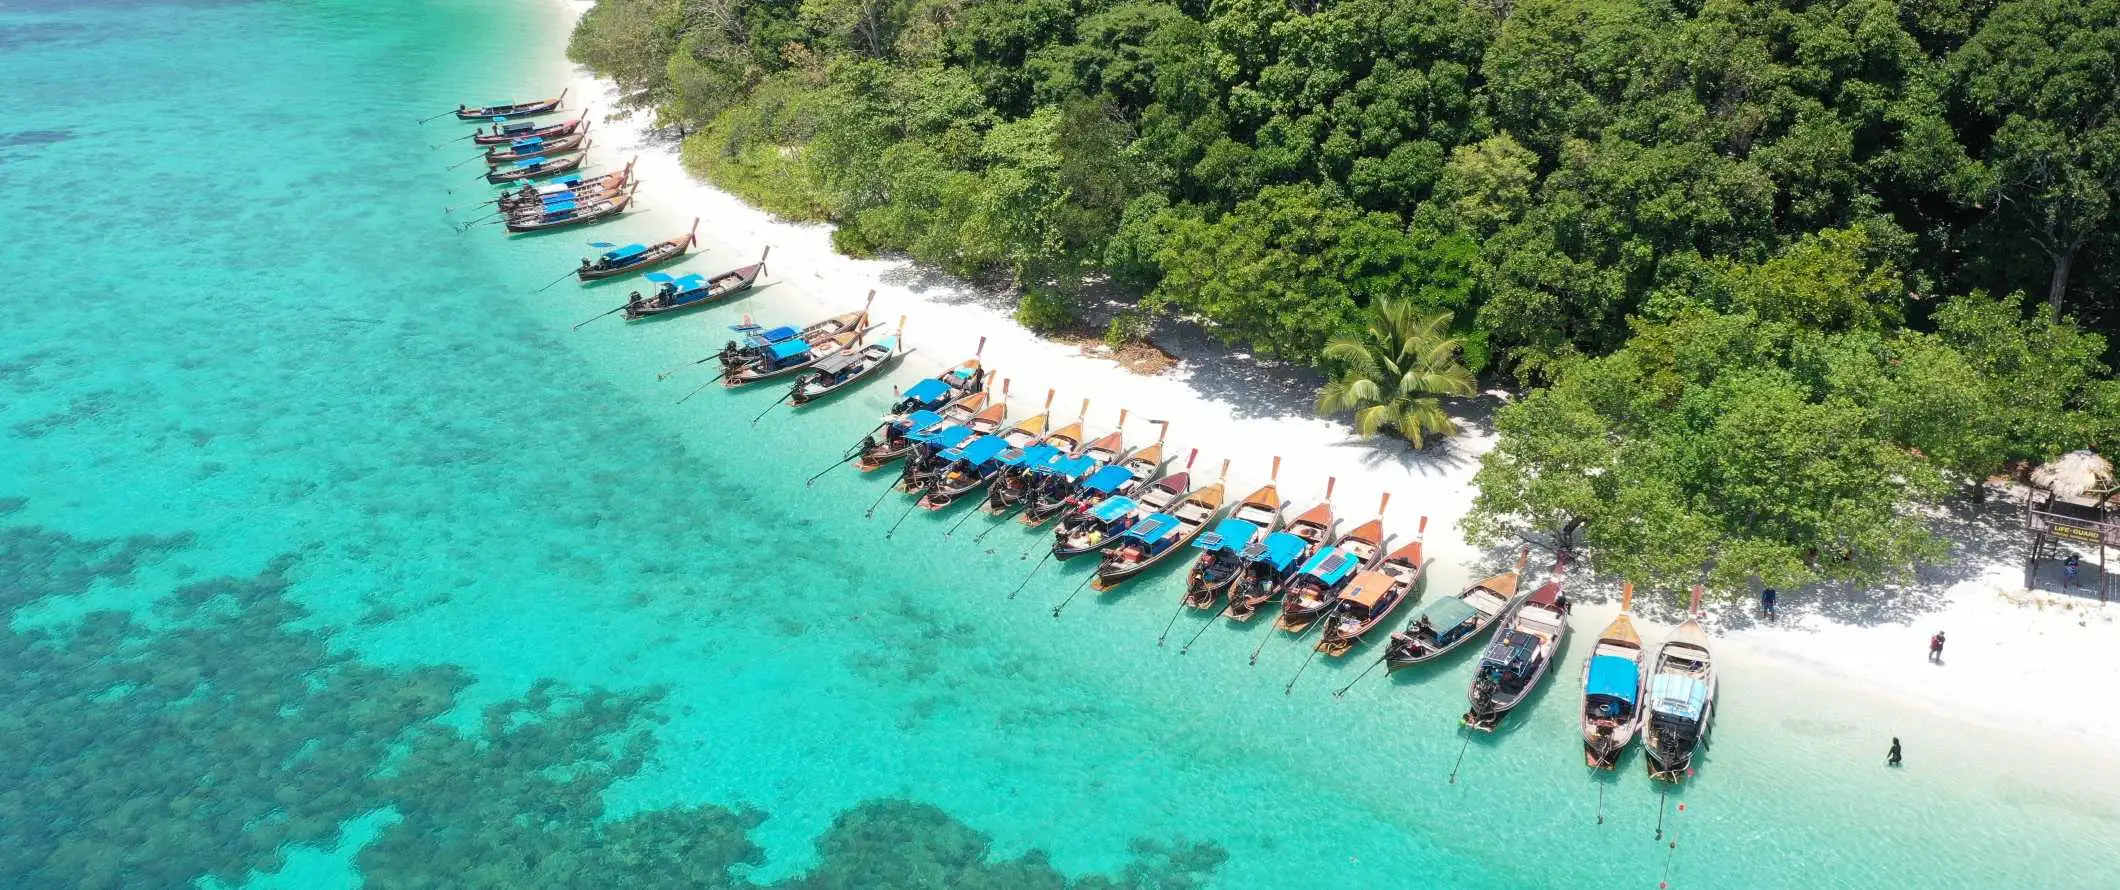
x=539, y=168
x=509, y=131
x=1102, y=525
x=564, y=214
x=924, y=463
x=934, y=392
x=1314, y=592
x=1520, y=654
x=1055, y=490
x=1450, y=622
x=1612, y=687
x=1222, y=551
x=839, y=373
x=968, y=469
x=1021, y=467
x=899, y=431
x=693, y=291
x=1123, y=479
x=1158, y=535
x=510, y=109
x=1681, y=693
x=569, y=184
x=627, y=258
x=1263, y=580
x=795, y=355
x=533, y=147
x=1374, y=595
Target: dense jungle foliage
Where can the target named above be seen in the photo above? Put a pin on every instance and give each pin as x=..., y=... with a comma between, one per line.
x=1742, y=253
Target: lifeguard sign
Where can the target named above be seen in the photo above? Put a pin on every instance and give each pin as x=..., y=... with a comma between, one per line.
x=2065, y=504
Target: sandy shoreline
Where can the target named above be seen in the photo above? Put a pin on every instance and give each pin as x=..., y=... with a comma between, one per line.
x=2017, y=660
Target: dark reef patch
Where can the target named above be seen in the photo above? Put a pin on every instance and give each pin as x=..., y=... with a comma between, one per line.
x=30, y=138
x=205, y=739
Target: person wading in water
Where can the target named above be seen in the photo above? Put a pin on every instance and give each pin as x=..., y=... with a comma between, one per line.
x=1891, y=758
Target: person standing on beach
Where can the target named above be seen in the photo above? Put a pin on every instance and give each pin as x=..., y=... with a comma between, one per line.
x=2068, y=572
x=1766, y=603
x=1936, y=647
x=1891, y=758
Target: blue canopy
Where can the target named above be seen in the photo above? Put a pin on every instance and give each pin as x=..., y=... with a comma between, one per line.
x=777, y=334
x=920, y=420
x=945, y=437
x=1614, y=676
x=1677, y=696
x=1108, y=480
x=531, y=164
x=531, y=142
x=517, y=127
x=691, y=282
x=1073, y=467
x=1280, y=550
x=788, y=349
x=1155, y=526
x=1034, y=456
x=563, y=184
x=1232, y=535
x=554, y=197
x=659, y=277
x=928, y=391
x=980, y=451
x=1332, y=565
x=1111, y=509
x=627, y=252
x=563, y=205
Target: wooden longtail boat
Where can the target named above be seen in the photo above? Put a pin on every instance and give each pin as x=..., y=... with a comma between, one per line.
x=504, y=131
x=635, y=257
x=1314, y=592
x=1374, y=595
x=969, y=468
x=1021, y=467
x=569, y=184
x=1222, y=551
x=565, y=214
x=1055, y=491
x=1681, y=700
x=901, y=433
x=539, y=168
x=534, y=147
x=1123, y=479
x=1262, y=580
x=1520, y=654
x=934, y=392
x=1452, y=621
x=789, y=355
x=841, y=372
x=511, y=109
x=693, y=291
x=1612, y=687
x=1159, y=535
x=1103, y=524
x=924, y=464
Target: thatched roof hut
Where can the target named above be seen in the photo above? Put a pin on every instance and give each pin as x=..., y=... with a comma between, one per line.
x=2075, y=474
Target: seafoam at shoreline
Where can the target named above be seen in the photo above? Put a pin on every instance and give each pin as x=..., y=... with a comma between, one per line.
x=2017, y=660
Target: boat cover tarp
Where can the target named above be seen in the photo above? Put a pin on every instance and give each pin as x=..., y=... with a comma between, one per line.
x=531, y=164
x=1034, y=456
x=563, y=205
x=517, y=127
x=928, y=391
x=1449, y=612
x=1281, y=550
x=1678, y=696
x=1232, y=535
x=531, y=142
x=563, y=184
x=1108, y=480
x=1614, y=676
x=787, y=349
x=1154, y=527
x=1071, y=467
x=1331, y=565
x=919, y=420
x=833, y=364
x=690, y=283
x=561, y=195
x=784, y=332
x=947, y=437
x=1512, y=648
x=982, y=450
x=1112, y=508
x=628, y=252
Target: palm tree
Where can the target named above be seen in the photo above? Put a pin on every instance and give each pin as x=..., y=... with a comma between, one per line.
x=1393, y=371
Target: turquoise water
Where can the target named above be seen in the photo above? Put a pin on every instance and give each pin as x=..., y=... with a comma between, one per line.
x=332, y=555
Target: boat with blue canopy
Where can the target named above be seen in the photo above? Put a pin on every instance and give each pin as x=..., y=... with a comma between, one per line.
x=791, y=356
x=1051, y=492
x=962, y=379
x=530, y=108
x=1314, y=592
x=1612, y=681
x=976, y=412
x=1221, y=557
x=535, y=147
x=1097, y=528
x=538, y=168
x=505, y=130
x=629, y=258
x=1079, y=532
x=1158, y=535
x=764, y=353
x=1680, y=700
x=567, y=213
x=1374, y=594
x=1449, y=622
x=1267, y=566
x=1520, y=655
x=697, y=292
x=964, y=469
x=574, y=184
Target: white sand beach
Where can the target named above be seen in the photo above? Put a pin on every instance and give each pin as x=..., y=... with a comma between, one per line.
x=2016, y=659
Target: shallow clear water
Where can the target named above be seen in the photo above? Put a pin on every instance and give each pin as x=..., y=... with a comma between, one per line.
x=331, y=553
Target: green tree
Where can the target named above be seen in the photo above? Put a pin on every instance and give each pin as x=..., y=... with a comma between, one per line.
x=1391, y=374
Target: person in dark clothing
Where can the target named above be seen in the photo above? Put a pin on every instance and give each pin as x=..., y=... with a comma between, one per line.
x=1891, y=758
x=2069, y=567
x=1936, y=647
x=1766, y=603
